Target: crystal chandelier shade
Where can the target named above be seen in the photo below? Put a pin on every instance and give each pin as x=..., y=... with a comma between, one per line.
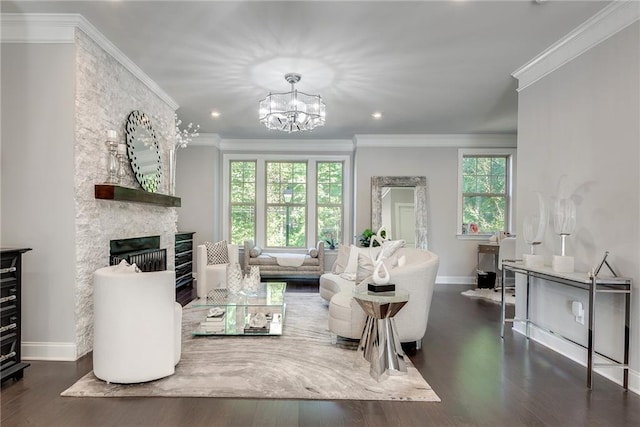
x=292, y=111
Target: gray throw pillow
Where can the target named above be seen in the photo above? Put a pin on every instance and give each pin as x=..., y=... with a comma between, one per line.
x=217, y=253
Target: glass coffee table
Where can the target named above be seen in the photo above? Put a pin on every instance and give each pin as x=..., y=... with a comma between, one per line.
x=259, y=313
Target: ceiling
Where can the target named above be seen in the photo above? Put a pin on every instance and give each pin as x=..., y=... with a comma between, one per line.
x=429, y=66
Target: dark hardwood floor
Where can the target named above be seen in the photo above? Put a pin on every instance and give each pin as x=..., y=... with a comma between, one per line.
x=481, y=380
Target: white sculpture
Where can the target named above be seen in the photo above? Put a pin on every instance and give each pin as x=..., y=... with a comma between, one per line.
x=378, y=263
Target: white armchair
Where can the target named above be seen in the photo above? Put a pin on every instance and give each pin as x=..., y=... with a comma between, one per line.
x=136, y=325
x=418, y=276
x=212, y=276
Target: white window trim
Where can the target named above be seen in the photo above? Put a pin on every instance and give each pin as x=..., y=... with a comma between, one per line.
x=261, y=160
x=511, y=167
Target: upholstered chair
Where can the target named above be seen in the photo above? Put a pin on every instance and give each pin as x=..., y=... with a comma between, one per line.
x=212, y=276
x=137, y=325
x=417, y=275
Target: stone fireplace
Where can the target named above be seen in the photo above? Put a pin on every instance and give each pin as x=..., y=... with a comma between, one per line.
x=144, y=252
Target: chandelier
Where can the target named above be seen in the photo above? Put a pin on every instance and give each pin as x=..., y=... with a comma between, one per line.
x=292, y=111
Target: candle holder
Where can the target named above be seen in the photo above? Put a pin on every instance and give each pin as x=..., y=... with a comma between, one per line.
x=122, y=159
x=112, y=164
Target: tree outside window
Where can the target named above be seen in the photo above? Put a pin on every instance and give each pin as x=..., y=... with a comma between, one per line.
x=243, y=201
x=485, y=192
x=329, y=203
x=286, y=199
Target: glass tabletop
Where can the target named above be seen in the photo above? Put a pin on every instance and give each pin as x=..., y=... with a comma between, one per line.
x=399, y=295
x=226, y=313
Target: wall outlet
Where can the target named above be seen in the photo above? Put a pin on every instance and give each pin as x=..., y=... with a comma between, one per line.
x=578, y=311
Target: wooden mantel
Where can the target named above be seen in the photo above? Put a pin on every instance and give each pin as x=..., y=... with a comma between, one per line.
x=124, y=194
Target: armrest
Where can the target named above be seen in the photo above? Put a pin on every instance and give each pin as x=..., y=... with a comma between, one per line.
x=201, y=265
x=234, y=253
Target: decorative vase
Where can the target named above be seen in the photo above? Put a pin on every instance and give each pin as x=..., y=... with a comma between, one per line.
x=533, y=230
x=564, y=222
x=252, y=281
x=234, y=278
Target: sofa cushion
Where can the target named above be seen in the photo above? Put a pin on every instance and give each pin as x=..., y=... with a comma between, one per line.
x=217, y=253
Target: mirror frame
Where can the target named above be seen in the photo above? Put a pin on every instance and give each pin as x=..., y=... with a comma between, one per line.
x=419, y=200
x=148, y=181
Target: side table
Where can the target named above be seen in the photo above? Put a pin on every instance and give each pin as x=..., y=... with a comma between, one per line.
x=380, y=344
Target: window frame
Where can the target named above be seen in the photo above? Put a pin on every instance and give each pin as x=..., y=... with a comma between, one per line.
x=510, y=154
x=312, y=237
x=285, y=205
x=254, y=204
x=340, y=237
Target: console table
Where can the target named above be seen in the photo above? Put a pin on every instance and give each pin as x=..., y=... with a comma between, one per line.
x=586, y=281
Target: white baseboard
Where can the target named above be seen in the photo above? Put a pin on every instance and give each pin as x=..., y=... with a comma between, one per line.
x=52, y=351
x=579, y=355
x=455, y=280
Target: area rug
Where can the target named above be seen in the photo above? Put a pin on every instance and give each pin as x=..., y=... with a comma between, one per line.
x=300, y=364
x=491, y=295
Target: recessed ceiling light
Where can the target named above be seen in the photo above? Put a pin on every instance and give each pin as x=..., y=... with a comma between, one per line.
x=376, y=115
x=215, y=114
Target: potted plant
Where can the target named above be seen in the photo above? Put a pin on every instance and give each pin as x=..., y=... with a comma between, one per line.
x=365, y=237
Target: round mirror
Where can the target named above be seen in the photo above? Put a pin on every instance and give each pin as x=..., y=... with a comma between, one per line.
x=143, y=151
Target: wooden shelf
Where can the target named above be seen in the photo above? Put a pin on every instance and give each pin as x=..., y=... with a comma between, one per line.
x=124, y=194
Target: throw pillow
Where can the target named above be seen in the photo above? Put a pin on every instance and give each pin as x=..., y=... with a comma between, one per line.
x=352, y=263
x=341, y=259
x=389, y=247
x=365, y=267
x=313, y=252
x=255, y=252
x=217, y=253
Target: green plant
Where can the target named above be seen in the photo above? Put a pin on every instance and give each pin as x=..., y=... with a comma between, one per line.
x=365, y=237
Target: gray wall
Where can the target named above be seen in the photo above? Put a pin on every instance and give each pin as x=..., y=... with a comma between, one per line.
x=58, y=101
x=37, y=206
x=198, y=185
x=458, y=257
x=582, y=121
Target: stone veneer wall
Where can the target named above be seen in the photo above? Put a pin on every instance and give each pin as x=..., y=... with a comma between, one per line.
x=106, y=93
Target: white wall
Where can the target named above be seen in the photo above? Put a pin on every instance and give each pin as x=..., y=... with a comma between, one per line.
x=38, y=88
x=582, y=121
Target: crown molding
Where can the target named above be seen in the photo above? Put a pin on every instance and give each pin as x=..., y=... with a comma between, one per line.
x=206, y=140
x=438, y=141
x=60, y=28
x=280, y=145
x=609, y=21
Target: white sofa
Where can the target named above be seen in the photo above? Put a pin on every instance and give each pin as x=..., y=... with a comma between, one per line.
x=417, y=275
x=212, y=276
x=137, y=325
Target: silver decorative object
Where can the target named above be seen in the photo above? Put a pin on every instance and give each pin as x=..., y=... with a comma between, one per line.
x=112, y=163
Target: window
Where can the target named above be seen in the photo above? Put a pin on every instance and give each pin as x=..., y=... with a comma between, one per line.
x=485, y=191
x=285, y=200
x=243, y=201
x=329, y=202
x=286, y=204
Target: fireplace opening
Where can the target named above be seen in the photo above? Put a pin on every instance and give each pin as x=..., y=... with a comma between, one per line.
x=145, y=252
